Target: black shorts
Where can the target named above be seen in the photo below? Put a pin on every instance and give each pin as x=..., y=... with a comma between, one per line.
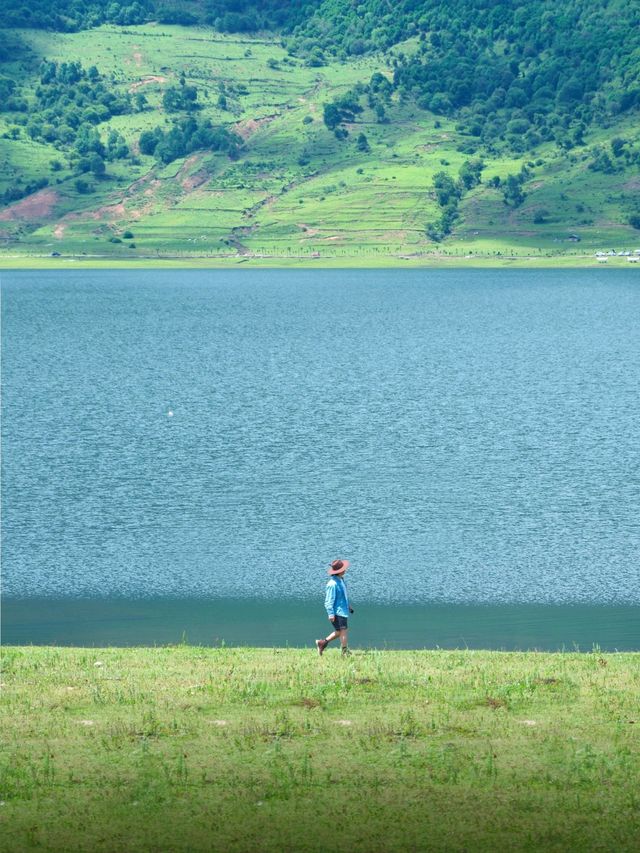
x=339, y=623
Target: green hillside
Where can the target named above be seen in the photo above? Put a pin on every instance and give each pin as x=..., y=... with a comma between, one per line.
x=333, y=143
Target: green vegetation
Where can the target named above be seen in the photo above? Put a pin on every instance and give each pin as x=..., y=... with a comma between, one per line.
x=187, y=136
x=319, y=143
x=192, y=748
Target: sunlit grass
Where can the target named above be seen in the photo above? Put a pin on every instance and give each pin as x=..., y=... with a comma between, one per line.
x=236, y=749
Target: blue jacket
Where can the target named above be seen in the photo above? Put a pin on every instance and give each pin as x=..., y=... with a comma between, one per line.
x=336, y=601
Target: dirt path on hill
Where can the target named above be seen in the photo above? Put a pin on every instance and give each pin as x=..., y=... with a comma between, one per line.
x=152, y=78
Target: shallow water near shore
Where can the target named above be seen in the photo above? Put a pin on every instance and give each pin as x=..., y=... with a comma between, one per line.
x=469, y=439
x=247, y=622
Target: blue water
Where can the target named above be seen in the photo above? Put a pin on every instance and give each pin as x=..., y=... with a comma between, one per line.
x=460, y=436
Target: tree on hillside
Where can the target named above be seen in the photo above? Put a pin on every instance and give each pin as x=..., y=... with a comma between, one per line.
x=362, y=143
x=181, y=98
x=470, y=173
x=512, y=193
x=341, y=110
x=97, y=165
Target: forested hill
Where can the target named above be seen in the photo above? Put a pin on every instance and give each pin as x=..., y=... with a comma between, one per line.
x=500, y=106
x=494, y=61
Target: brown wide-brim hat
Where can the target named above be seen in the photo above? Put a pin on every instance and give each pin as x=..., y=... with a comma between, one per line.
x=338, y=567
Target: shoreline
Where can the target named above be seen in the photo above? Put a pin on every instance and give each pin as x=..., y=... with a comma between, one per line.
x=46, y=262
x=236, y=622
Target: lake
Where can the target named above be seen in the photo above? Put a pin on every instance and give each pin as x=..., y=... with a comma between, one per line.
x=194, y=446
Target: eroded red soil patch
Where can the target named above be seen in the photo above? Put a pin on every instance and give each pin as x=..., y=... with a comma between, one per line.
x=34, y=206
x=249, y=126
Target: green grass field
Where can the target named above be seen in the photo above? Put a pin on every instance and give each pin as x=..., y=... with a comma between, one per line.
x=190, y=749
x=296, y=194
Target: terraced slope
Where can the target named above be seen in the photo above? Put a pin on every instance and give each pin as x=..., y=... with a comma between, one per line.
x=295, y=191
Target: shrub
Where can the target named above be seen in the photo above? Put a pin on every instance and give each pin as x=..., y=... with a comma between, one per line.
x=83, y=187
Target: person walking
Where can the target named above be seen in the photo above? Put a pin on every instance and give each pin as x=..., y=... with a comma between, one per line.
x=336, y=602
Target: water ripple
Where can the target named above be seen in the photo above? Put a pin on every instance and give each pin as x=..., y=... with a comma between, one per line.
x=460, y=436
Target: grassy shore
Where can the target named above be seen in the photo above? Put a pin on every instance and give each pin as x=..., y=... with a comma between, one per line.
x=432, y=261
x=188, y=749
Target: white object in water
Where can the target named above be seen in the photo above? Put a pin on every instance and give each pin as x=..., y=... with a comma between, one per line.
x=169, y=414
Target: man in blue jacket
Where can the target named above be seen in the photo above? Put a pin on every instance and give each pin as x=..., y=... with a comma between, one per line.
x=336, y=603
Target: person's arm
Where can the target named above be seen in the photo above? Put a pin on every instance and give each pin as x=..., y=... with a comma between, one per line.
x=330, y=601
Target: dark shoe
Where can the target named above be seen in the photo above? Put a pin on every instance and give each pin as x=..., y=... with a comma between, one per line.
x=345, y=653
x=321, y=645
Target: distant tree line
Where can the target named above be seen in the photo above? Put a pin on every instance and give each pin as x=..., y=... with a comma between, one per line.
x=525, y=73
x=64, y=16
x=512, y=75
x=225, y=15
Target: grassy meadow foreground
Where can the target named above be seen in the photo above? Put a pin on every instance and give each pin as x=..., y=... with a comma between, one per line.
x=189, y=748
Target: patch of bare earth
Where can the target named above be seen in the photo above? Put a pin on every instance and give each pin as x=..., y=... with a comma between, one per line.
x=311, y=232
x=108, y=212
x=247, y=127
x=35, y=206
x=196, y=180
x=151, y=189
x=240, y=248
x=152, y=78
x=148, y=179
x=633, y=184
x=190, y=179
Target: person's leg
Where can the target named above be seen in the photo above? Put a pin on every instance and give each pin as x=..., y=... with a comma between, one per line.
x=343, y=641
x=321, y=645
